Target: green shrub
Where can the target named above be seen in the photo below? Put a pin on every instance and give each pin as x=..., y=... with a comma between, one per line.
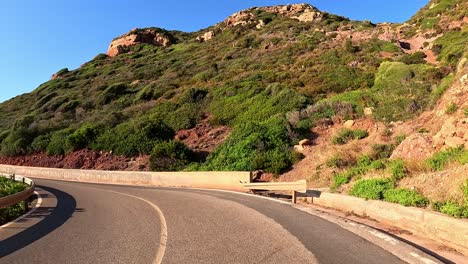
x=62, y=72
x=451, y=108
x=340, y=179
x=364, y=165
x=133, y=138
x=415, y=58
x=364, y=161
x=405, y=197
x=20, y=137
x=345, y=135
x=147, y=93
x=400, y=91
x=57, y=144
x=100, y=56
x=439, y=160
x=423, y=130
x=254, y=146
x=40, y=143
x=397, y=169
x=451, y=208
x=336, y=162
x=464, y=189
x=82, y=137
x=450, y=47
x=463, y=159
x=193, y=95
x=378, y=165
x=372, y=188
x=399, y=139
x=170, y=156
x=381, y=151
x=111, y=93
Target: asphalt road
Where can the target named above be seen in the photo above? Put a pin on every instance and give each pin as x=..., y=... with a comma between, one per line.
x=87, y=223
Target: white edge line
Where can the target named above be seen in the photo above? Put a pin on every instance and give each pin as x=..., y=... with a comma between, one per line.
x=234, y=192
x=163, y=237
x=38, y=204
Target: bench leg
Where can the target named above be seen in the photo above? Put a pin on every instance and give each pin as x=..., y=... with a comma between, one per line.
x=294, y=197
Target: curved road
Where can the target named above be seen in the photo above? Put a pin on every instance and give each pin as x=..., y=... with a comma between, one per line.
x=87, y=223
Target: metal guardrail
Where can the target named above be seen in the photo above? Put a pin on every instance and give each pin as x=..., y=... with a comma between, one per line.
x=20, y=196
x=294, y=187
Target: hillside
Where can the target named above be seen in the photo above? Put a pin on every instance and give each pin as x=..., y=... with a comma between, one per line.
x=240, y=94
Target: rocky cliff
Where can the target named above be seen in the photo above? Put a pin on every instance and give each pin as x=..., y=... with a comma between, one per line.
x=154, y=37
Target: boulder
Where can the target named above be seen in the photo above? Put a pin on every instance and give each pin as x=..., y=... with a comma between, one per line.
x=368, y=111
x=453, y=142
x=305, y=142
x=415, y=147
x=205, y=37
x=348, y=123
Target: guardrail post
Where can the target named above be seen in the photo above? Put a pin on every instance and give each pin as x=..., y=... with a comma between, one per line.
x=294, y=197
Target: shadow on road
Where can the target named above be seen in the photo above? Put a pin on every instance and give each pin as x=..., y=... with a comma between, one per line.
x=54, y=217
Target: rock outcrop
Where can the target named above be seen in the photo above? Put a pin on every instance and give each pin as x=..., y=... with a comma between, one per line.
x=301, y=12
x=138, y=36
x=206, y=36
x=416, y=147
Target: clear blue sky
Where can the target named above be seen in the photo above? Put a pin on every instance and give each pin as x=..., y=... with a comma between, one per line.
x=39, y=37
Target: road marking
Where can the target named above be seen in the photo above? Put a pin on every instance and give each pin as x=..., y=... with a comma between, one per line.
x=38, y=204
x=385, y=237
x=163, y=238
x=423, y=259
x=241, y=193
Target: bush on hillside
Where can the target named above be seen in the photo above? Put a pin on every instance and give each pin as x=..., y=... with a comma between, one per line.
x=82, y=137
x=20, y=137
x=372, y=188
x=400, y=91
x=440, y=159
x=451, y=208
x=345, y=135
x=405, y=197
x=381, y=151
x=134, y=137
x=111, y=93
x=170, y=156
x=414, y=58
x=397, y=169
x=253, y=146
x=57, y=144
x=40, y=143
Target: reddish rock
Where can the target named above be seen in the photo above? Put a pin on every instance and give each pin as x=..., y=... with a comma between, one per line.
x=415, y=147
x=137, y=36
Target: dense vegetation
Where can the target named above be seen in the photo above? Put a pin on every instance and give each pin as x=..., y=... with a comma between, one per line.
x=385, y=188
x=270, y=85
x=9, y=187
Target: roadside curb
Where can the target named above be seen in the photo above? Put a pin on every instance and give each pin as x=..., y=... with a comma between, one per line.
x=425, y=223
x=401, y=249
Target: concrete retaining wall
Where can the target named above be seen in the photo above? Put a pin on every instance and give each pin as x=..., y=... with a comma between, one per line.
x=430, y=224
x=211, y=180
